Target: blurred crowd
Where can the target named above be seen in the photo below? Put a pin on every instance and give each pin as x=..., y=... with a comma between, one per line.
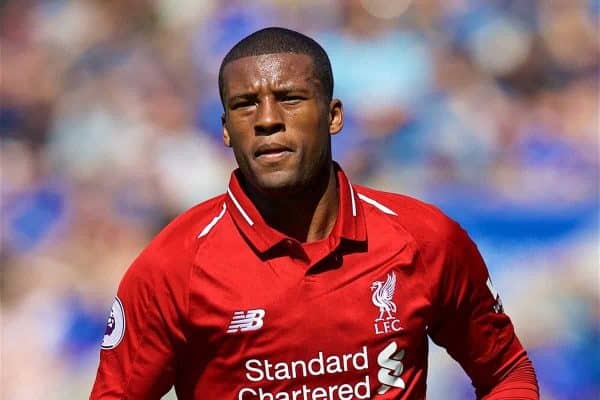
x=110, y=126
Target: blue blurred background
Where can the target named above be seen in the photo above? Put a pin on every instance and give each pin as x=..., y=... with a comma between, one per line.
x=109, y=127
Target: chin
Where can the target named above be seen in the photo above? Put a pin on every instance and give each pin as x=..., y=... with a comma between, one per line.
x=278, y=183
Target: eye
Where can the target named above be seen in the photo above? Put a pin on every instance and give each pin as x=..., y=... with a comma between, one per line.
x=242, y=104
x=291, y=100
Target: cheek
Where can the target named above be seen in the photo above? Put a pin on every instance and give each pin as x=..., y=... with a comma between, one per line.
x=240, y=149
x=238, y=132
x=308, y=120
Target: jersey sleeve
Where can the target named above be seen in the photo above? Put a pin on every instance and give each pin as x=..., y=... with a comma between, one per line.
x=469, y=321
x=144, y=331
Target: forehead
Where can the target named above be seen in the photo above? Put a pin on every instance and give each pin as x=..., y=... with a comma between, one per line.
x=269, y=69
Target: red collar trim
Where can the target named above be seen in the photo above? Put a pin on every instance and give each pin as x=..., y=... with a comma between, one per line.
x=350, y=223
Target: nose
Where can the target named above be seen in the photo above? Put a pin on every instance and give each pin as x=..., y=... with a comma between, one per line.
x=268, y=118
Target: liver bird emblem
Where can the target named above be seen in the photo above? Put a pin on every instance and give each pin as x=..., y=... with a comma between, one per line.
x=382, y=296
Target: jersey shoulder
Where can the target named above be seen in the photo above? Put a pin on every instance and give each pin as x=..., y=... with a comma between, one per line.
x=185, y=229
x=174, y=247
x=425, y=222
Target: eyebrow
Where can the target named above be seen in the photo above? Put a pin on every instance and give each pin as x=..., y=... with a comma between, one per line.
x=290, y=88
x=242, y=96
x=278, y=91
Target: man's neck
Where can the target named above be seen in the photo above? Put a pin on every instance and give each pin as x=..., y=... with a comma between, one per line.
x=308, y=215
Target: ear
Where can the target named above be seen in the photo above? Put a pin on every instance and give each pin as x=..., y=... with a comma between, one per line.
x=336, y=116
x=226, y=138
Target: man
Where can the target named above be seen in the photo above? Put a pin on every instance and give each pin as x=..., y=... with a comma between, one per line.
x=296, y=284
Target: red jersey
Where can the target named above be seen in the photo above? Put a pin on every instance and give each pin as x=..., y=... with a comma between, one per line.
x=223, y=307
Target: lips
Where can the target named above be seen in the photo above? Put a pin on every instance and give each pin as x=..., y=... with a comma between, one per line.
x=271, y=150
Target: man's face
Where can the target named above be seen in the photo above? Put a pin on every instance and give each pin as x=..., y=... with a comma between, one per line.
x=278, y=121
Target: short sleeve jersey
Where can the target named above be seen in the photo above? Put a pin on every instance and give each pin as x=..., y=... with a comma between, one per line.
x=222, y=306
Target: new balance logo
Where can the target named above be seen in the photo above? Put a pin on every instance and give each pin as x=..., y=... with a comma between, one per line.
x=390, y=361
x=250, y=320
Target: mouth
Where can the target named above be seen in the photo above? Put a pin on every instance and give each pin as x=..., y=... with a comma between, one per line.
x=272, y=152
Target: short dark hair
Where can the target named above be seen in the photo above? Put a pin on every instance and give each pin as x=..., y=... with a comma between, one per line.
x=281, y=40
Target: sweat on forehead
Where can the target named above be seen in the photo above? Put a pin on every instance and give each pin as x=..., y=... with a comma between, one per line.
x=272, y=69
x=280, y=40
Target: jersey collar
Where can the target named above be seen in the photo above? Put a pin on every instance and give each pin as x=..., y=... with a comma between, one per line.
x=349, y=225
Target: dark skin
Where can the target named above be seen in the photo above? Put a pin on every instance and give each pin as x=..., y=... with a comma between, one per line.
x=279, y=123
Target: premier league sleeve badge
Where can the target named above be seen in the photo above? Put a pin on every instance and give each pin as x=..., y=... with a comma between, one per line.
x=115, y=326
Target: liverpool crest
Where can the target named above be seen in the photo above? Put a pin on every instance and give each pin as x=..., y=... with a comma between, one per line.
x=382, y=298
